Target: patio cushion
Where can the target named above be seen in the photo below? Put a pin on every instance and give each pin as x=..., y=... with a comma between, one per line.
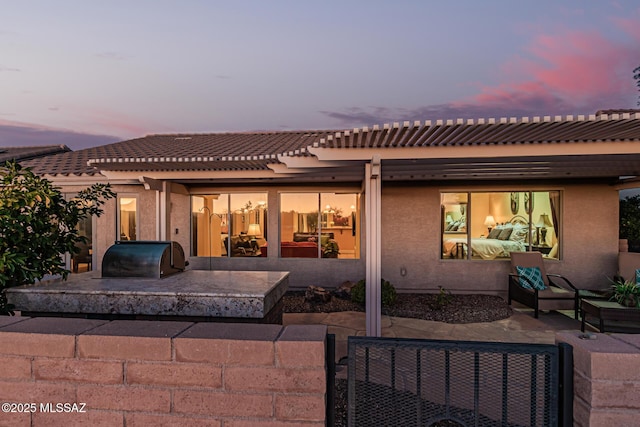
x=532, y=277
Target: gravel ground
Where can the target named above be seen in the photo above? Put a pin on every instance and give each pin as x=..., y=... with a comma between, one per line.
x=450, y=308
x=443, y=308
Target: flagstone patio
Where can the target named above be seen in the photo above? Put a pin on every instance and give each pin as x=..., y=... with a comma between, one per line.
x=520, y=327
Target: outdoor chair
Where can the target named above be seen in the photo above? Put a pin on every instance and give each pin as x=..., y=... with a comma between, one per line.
x=529, y=284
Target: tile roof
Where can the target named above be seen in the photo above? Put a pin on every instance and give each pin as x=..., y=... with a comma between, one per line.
x=608, y=127
x=26, y=153
x=244, y=151
x=227, y=151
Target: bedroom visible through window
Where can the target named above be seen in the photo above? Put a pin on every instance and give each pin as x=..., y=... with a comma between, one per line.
x=491, y=225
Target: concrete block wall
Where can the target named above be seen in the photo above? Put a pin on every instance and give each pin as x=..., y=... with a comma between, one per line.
x=141, y=373
x=606, y=379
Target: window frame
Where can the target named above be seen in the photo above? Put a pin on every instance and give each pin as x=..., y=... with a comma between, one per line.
x=322, y=217
x=529, y=214
x=230, y=217
x=119, y=198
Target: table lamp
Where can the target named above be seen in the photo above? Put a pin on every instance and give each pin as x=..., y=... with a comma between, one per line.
x=254, y=230
x=541, y=226
x=489, y=222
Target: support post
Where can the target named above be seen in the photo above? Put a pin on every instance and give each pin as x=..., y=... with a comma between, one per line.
x=373, y=247
x=164, y=220
x=163, y=205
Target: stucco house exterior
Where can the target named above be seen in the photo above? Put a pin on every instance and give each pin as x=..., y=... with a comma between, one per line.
x=414, y=203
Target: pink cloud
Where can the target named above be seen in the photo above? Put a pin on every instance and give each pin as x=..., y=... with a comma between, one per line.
x=573, y=70
x=566, y=72
x=120, y=123
x=579, y=64
x=115, y=122
x=631, y=26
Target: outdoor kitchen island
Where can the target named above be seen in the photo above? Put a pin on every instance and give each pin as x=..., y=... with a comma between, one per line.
x=192, y=295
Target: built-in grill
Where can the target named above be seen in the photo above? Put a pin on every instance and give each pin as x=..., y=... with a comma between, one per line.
x=143, y=259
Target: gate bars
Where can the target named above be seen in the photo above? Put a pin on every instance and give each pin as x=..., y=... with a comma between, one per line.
x=409, y=382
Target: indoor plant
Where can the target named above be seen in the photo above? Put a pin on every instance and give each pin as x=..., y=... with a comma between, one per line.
x=331, y=249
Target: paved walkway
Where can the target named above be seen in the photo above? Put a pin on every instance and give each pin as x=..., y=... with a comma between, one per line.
x=520, y=327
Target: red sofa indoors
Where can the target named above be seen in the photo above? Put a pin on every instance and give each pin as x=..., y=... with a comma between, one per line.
x=294, y=250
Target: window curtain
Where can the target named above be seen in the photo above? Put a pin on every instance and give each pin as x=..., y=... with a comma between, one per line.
x=554, y=201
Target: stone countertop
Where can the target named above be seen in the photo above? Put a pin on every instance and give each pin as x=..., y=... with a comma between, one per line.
x=239, y=294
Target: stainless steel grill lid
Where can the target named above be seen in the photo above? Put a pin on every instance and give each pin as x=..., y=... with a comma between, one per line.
x=143, y=259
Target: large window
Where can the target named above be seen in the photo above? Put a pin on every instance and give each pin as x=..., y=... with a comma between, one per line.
x=494, y=224
x=232, y=225
x=81, y=261
x=319, y=225
x=127, y=218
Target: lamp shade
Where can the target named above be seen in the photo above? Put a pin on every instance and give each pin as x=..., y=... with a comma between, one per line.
x=489, y=221
x=544, y=221
x=254, y=230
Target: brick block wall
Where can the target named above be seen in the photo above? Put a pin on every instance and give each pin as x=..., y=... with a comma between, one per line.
x=606, y=379
x=141, y=373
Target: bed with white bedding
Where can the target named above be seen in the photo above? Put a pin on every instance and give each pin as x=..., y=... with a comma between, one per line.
x=501, y=241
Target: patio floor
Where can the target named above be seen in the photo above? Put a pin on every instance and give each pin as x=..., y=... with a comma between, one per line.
x=520, y=327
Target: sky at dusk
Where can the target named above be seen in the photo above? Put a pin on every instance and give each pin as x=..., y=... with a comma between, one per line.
x=89, y=72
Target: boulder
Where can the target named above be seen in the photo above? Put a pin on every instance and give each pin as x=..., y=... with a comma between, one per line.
x=344, y=291
x=317, y=294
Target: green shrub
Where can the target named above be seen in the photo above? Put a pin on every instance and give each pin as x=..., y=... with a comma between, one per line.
x=37, y=224
x=358, y=292
x=388, y=293
x=443, y=298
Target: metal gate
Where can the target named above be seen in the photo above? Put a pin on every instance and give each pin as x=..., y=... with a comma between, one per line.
x=406, y=382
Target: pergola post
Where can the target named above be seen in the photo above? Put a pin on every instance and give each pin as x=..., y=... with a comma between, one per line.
x=373, y=247
x=163, y=204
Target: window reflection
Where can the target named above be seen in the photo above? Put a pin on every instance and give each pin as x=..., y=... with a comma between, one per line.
x=229, y=224
x=319, y=225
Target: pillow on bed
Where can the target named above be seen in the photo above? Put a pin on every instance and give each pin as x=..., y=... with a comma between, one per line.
x=494, y=233
x=531, y=278
x=505, y=233
x=519, y=234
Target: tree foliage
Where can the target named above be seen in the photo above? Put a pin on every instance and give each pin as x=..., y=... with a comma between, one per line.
x=630, y=218
x=38, y=225
x=636, y=77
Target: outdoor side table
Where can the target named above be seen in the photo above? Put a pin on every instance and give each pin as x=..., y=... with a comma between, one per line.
x=628, y=318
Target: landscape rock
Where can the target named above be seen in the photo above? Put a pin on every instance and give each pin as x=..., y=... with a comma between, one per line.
x=344, y=290
x=317, y=294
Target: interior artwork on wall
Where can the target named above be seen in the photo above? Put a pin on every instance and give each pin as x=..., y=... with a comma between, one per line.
x=515, y=203
x=528, y=203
